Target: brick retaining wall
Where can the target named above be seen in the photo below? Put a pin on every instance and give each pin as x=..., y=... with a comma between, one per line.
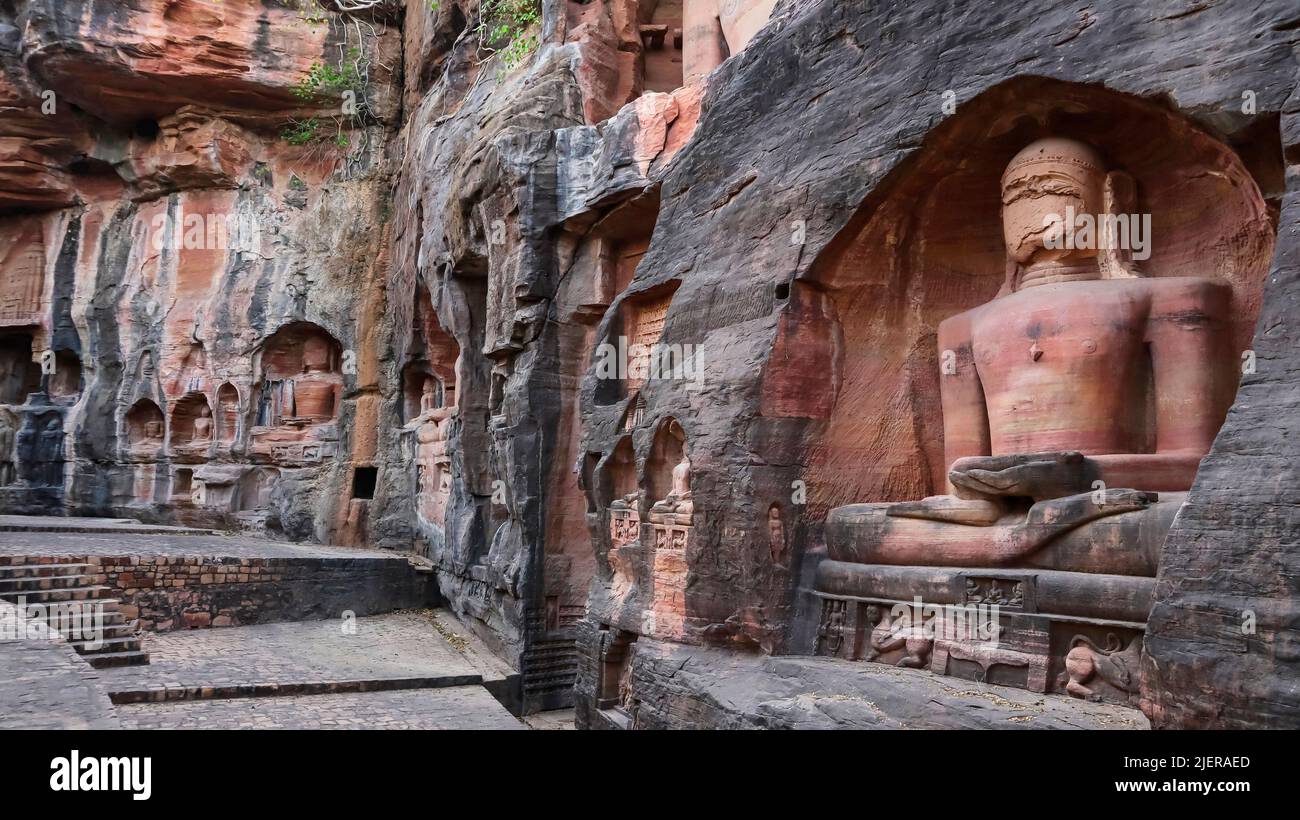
x=189, y=592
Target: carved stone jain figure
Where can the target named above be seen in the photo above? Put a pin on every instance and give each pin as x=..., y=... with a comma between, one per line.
x=1077, y=406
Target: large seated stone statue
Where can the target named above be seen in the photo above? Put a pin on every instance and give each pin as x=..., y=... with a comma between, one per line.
x=718, y=29
x=1076, y=407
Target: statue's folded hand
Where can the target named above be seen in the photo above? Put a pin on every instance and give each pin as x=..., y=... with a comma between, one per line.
x=1032, y=475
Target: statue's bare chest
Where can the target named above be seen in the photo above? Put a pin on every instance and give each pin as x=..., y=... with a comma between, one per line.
x=1074, y=338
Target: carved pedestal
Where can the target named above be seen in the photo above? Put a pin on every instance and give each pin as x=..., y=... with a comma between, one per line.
x=666, y=618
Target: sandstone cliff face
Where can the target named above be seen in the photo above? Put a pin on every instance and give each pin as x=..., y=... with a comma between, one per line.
x=194, y=246
x=821, y=224
x=227, y=297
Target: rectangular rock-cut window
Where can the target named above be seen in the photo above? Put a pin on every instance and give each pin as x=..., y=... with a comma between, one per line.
x=363, y=482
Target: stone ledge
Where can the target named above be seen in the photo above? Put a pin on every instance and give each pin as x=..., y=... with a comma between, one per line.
x=684, y=687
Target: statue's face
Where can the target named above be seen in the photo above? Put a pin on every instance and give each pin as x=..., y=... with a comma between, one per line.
x=1036, y=203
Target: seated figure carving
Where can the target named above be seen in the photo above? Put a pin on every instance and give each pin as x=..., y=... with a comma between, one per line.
x=678, y=507
x=1076, y=405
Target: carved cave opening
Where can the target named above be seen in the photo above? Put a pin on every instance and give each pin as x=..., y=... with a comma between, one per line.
x=146, y=428
x=666, y=452
x=364, y=480
x=660, y=25
x=620, y=470
x=182, y=485
x=617, y=662
x=928, y=244
x=191, y=421
x=227, y=416
x=65, y=381
x=19, y=374
x=429, y=377
x=299, y=378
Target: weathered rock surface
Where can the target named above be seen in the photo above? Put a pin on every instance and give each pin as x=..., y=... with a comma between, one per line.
x=399, y=340
x=703, y=688
x=779, y=218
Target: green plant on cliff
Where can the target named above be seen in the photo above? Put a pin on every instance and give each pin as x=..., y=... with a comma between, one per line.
x=343, y=86
x=325, y=81
x=508, y=29
x=301, y=132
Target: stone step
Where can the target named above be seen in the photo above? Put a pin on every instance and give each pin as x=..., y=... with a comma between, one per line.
x=158, y=693
x=106, y=660
x=35, y=570
x=126, y=643
x=109, y=607
x=46, y=582
x=109, y=526
x=47, y=596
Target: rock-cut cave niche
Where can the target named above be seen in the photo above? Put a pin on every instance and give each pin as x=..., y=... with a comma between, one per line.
x=429, y=377
x=631, y=354
x=297, y=393
x=19, y=374
x=192, y=426
x=660, y=26
x=300, y=380
x=227, y=415
x=145, y=430
x=65, y=380
x=928, y=244
x=667, y=452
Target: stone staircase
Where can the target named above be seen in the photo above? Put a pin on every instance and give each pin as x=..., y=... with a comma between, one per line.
x=64, y=594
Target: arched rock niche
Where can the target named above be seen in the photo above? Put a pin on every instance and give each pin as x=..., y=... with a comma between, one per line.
x=620, y=473
x=227, y=415
x=630, y=354
x=65, y=381
x=666, y=452
x=145, y=429
x=19, y=375
x=661, y=43
x=928, y=245
x=434, y=355
x=297, y=356
x=191, y=422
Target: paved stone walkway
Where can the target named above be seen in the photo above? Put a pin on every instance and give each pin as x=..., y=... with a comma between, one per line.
x=131, y=542
x=457, y=707
x=59, y=523
x=44, y=684
x=400, y=649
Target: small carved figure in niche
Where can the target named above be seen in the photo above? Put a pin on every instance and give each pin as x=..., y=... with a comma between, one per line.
x=153, y=431
x=1086, y=662
x=679, y=503
x=203, y=425
x=428, y=398
x=776, y=534
x=830, y=632
x=6, y=452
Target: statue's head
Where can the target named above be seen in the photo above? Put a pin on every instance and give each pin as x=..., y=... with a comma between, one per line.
x=315, y=355
x=1045, y=181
